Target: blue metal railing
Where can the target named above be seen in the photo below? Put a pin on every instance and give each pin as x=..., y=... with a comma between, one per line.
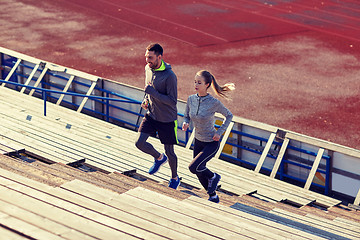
x=45, y=92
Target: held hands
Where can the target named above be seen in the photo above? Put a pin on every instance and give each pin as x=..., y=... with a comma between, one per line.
x=185, y=126
x=216, y=137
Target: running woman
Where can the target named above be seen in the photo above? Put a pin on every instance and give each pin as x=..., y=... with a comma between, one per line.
x=200, y=109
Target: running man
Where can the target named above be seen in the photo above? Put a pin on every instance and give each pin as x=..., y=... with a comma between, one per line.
x=161, y=118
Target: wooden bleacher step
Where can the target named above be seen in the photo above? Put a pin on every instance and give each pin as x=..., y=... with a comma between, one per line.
x=264, y=225
x=51, y=204
x=296, y=221
x=135, y=160
x=9, y=149
x=160, y=221
x=8, y=233
x=334, y=228
x=46, y=126
x=338, y=226
x=187, y=214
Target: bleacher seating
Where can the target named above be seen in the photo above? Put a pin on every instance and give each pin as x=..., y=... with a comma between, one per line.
x=49, y=199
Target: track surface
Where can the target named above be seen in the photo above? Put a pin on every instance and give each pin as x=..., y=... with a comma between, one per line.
x=295, y=63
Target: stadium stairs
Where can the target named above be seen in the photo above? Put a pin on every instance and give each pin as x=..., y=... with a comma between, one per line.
x=70, y=176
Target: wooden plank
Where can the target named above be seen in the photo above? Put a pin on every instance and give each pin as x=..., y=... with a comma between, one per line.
x=64, y=142
x=254, y=124
x=11, y=145
x=204, y=221
x=6, y=148
x=93, y=84
x=319, y=223
x=154, y=219
x=66, y=88
x=10, y=149
x=55, y=67
x=67, y=213
x=97, y=151
x=191, y=139
x=9, y=234
x=30, y=77
x=261, y=178
x=38, y=148
x=26, y=228
x=113, y=149
x=323, y=144
x=357, y=199
x=83, y=75
x=265, y=152
x=265, y=188
x=276, y=183
x=347, y=223
x=13, y=69
x=39, y=80
x=77, y=196
x=114, y=145
x=19, y=55
x=60, y=213
x=41, y=154
x=279, y=158
x=42, y=223
x=224, y=139
x=260, y=224
x=29, y=137
x=314, y=168
x=263, y=184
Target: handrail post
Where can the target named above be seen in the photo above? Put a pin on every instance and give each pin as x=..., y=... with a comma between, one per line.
x=327, y=176
x=44, y=97
x=107, y=107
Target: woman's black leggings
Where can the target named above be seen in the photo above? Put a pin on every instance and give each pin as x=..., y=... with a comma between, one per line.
x=203, y=152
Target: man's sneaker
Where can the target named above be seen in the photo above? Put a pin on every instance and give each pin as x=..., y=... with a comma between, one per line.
x=174, y=183
x=157, y=164
x=214, y=199
x=213, y=182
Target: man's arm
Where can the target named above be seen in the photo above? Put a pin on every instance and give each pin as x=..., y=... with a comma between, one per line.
x=170, y=97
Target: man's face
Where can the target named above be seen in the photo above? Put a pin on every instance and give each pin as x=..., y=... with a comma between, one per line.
x=152, y=60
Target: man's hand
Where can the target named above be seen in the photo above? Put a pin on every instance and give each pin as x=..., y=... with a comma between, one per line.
x=145, y=104
x=149, y=89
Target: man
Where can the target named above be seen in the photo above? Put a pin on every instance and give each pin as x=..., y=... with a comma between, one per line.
x=161, y=118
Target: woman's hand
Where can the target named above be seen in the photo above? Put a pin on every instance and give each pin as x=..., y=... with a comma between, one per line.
x=216, y=137
x=185, y=126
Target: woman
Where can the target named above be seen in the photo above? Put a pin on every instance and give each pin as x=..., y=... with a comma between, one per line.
x=200, y=109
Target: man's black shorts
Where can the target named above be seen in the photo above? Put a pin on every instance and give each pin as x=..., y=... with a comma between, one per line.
x=167, y=132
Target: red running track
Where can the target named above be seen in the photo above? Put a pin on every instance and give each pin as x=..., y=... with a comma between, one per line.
x=295, y=63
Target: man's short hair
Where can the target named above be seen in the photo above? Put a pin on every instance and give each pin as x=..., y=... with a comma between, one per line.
x=158, y=50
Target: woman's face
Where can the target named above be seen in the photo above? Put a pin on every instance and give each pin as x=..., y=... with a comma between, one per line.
x=200, y=86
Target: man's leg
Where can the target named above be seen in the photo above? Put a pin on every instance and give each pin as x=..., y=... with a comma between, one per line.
x=173, y=162
x=146, y=147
